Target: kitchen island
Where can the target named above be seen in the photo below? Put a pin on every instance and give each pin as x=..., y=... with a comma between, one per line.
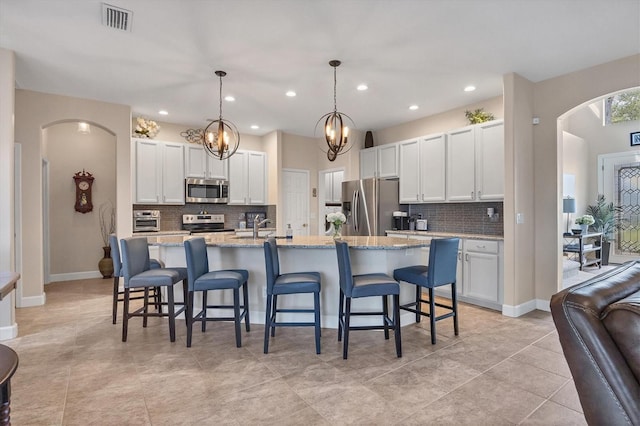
x=302, y=253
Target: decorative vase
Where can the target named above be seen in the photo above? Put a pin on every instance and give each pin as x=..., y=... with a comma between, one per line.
x=105, y=265
x=584, y=228
x=336, y=232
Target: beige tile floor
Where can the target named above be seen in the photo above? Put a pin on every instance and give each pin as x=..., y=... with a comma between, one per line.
x=74, y=370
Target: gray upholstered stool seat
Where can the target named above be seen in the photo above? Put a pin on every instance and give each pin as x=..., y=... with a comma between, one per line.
x=137, y=272
x=365, y=285
x=443, y=260
x=288, y=283
x=202, y=280
x=134, y=294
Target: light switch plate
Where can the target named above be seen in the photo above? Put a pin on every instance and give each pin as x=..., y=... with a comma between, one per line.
x=520, y=218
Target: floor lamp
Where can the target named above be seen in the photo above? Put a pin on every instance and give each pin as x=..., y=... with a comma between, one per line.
x=568, y=207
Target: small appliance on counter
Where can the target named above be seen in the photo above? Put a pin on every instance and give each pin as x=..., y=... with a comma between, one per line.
x=146, y=220
x=400, y=221
x=421, y=224
x=199, y=223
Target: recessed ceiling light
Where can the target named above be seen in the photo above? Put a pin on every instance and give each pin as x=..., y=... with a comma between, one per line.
x=414, y=107
x=291, y=93
x=229, y=98
x=470, y=88
x=255, y=126
x=163, y=112
x=362, y=87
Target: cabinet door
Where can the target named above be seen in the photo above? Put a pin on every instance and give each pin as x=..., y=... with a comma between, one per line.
x=388, y=161
x=148, y=180
x=216, y=168
x=481, y=276
x=195, y=165
x=461, y=164
x=238, y=178
x=173, y=173
x=368, y=163
x=490, y=160
x=432, y=168
x=336, y=180
x=460, y=274
x=257, y=178
x=409, y=191
x=328, y=187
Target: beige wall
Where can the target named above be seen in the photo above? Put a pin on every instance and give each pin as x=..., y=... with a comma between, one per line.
x=442, y=122
x=35, y=112
x=75, y=238
x=552, y=99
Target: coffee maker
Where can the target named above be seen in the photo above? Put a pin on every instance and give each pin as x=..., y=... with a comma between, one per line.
x=400, y=221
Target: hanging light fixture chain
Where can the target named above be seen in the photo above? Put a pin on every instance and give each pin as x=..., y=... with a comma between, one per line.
x=220, y=97
x=335, y=83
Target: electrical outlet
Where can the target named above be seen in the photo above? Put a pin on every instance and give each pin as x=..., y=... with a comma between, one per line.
x=264, y=292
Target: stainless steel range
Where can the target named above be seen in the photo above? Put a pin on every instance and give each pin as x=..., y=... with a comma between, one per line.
x=199, y=223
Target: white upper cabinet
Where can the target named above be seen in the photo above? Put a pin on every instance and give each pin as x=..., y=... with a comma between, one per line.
x=333, y=186
x=159, y=172
x=422, y=169
x=475, y=162
x=200, y=165
x=380, y=161
x=490, y=160
x=248, y=178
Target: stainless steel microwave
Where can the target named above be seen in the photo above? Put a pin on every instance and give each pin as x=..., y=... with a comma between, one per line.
x=206, y=191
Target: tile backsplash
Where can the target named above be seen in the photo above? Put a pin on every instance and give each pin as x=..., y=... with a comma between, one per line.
x=171, y=216
x=466, y=218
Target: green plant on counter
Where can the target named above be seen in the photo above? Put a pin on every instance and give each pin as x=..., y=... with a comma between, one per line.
x=478, y=116
x=585, y=219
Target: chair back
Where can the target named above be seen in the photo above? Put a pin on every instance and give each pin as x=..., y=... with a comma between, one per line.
x=135, y=257
x=344, y=267
x=197, y=260
x=443, y=261
x=115, y=255
x=272, y=262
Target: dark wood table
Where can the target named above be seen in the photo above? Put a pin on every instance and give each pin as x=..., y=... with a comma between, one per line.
x=8, y=366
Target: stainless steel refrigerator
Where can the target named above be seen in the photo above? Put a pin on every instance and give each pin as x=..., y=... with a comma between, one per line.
x=368, y=205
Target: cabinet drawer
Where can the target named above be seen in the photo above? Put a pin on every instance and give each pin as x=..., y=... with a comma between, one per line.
x=482, y=246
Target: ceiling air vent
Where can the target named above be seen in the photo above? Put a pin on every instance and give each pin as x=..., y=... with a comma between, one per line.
x=116, y=17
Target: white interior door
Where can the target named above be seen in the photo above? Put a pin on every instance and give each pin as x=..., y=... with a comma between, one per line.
x=618, y=176
x=295, y=188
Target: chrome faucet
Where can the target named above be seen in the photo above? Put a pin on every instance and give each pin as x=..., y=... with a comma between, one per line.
x=257, y=223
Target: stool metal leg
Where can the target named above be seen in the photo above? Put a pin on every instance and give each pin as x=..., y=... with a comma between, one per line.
x=125, y=315
x=116, y=284
x=418, y=302
x=274, y=312
x=432, y=316
x=236, y=315
x=245, y=298
x=203, y=324
x=189, y=317
x=347, y=314
x=316, y=308
x=396, y=323
x=172, y=314
x=385, y=315
x=340, y=315
x=454, y=305
x=267, y=324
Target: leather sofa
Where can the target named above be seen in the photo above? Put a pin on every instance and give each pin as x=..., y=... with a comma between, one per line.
x=598, y=323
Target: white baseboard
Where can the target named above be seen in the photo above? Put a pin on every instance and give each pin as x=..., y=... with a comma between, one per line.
x=519, y=310
x=9, y=332
x=27, y=302
x=543, y=305
x=74, y=276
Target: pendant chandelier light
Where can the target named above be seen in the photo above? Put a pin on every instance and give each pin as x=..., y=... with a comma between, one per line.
x=336, y=132
x=221, y=137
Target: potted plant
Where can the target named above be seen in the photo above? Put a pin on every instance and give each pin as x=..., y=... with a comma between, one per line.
x=478, y=116
x=107, y=216
x=607, y=218
x=584, y=221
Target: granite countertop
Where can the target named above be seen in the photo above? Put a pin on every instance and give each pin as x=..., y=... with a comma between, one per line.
x=312, y=241
x=450, y=235
x=147, y=234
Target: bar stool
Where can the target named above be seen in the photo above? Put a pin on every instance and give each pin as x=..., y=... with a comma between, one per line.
x=117, y=273
x=443, y=259
x=201, y=279
x=138, y=274
x=289, y=283
x=365, y=285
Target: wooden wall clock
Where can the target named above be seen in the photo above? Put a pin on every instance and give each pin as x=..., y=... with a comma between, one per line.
x=83, y=180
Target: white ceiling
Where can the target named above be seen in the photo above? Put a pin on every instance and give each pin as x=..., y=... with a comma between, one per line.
x=407, y=52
